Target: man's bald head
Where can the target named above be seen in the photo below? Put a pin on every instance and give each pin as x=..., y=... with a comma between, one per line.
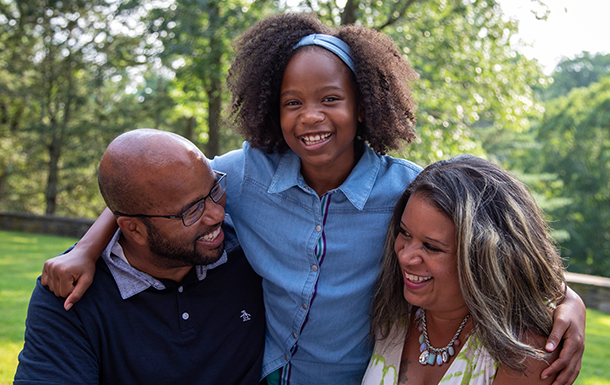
x=141, y=162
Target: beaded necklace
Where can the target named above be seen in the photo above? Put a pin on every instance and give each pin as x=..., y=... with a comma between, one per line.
x=429, y=354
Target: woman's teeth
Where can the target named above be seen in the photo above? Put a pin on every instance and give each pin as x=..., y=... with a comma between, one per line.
x=314, y=139
x=211, y=236
x=416, y=278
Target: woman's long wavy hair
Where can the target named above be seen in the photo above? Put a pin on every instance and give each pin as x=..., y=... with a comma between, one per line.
x=382, y=81
x=508, y=266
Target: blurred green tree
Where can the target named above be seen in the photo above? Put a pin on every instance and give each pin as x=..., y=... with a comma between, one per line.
x=575, y=146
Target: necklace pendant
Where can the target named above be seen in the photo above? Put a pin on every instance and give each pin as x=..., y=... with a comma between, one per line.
x=439, y=360
x=431, y=358
x=423, y=358
x=445, y=356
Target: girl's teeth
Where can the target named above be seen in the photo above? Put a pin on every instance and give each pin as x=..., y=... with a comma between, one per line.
x=313, y=139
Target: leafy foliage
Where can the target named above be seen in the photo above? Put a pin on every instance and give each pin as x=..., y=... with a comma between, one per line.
x=575, y=138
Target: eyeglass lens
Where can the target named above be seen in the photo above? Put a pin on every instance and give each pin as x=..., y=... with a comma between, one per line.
x=194, y=213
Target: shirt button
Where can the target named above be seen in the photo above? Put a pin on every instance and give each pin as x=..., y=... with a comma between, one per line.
x=294, y=335
x=318, y=228
x=185, y=316
x=286, y=357
x=304, y=306
x=180, y=289
x=314, y=268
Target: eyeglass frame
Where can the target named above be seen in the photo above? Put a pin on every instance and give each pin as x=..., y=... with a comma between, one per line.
x=221, y=182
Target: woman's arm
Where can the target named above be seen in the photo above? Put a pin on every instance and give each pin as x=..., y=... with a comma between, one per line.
x=569, y=324
x=534, y=367
x=69, y=275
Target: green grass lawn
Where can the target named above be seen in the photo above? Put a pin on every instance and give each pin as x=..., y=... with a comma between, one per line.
x=22, y=256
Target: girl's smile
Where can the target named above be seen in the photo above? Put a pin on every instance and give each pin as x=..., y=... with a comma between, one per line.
x=319, y=114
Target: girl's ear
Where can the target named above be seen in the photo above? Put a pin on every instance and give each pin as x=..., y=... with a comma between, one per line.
x=360, y=113
x=133, y=229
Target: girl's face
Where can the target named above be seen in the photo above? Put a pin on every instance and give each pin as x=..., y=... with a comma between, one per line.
x=319, y=110
x=427, y=254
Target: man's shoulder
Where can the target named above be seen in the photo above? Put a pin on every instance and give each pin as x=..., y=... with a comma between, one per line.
x=231, y=241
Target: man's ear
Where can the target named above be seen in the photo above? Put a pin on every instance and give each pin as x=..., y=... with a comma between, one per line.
x=133, y=229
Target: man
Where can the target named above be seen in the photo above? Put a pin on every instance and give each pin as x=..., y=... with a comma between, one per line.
x=173, y=299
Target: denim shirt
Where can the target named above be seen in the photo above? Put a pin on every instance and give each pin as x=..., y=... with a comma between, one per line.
x=317, y=308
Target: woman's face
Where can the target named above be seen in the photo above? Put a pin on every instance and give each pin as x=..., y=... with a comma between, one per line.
x=427, y=255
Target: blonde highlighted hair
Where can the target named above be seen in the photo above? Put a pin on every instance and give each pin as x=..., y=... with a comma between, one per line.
x=508, y=266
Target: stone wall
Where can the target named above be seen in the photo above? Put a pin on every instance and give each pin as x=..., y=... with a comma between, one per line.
x=44, y=224
x=594, y=291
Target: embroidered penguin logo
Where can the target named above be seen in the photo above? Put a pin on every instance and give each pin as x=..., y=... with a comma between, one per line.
x=245, y=316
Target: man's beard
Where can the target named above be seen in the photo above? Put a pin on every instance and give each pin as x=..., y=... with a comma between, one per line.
x=175, y=253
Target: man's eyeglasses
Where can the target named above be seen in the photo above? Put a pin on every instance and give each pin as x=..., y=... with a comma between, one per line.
x=195, y=212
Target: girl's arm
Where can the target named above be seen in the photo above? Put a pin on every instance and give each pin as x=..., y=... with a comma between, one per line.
x=569, y=324
x=69, y=275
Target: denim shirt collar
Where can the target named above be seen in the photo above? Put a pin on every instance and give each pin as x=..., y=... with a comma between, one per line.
x=132, y=281
x=357, y=187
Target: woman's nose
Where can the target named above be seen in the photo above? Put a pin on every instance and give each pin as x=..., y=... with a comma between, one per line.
x=409, y=254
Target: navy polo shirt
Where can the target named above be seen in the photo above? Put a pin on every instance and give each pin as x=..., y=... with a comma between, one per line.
x=199, y=331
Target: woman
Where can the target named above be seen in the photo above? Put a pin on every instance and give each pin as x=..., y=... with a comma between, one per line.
x=468, y=284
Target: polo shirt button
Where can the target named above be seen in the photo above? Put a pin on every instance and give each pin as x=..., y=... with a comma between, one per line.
x=318, y=228
x=180, y=289
x=304, y=306
x=314, y=268
x=294, y=335
x=185, y=316
x=285, y=357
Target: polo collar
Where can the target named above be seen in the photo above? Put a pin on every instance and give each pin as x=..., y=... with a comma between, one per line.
x=132, y=281
x=357, y=188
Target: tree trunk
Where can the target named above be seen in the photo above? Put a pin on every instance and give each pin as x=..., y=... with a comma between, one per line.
x=349, y=12
x=214, y=87
x=51, y=190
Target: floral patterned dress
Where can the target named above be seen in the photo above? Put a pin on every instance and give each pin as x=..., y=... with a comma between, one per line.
x=472, y=365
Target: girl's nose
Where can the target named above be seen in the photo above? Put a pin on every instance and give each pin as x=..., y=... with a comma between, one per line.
x=312, y=116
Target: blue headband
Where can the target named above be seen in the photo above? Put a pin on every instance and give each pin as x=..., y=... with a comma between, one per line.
x=331, y=43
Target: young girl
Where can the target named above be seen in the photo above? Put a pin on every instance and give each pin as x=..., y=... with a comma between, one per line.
x=311, y=192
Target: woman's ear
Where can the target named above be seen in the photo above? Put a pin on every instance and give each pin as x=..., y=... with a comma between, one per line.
x=133, y=229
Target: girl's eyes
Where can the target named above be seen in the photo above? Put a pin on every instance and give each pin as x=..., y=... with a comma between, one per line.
x=330, y=99
x=292, y=103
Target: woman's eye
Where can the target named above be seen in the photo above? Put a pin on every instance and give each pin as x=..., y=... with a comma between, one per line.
x=431, y=248
x=403, y=232
x=330, y=99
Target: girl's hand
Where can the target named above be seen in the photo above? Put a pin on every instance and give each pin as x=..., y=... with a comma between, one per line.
x=569, y=324
x=69, y=275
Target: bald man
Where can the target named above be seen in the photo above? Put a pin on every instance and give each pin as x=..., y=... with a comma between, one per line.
x=173, y=299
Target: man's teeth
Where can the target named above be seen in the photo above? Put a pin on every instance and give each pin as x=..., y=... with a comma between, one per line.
x=211, y=236
x=416, y=278
x=315, y=138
